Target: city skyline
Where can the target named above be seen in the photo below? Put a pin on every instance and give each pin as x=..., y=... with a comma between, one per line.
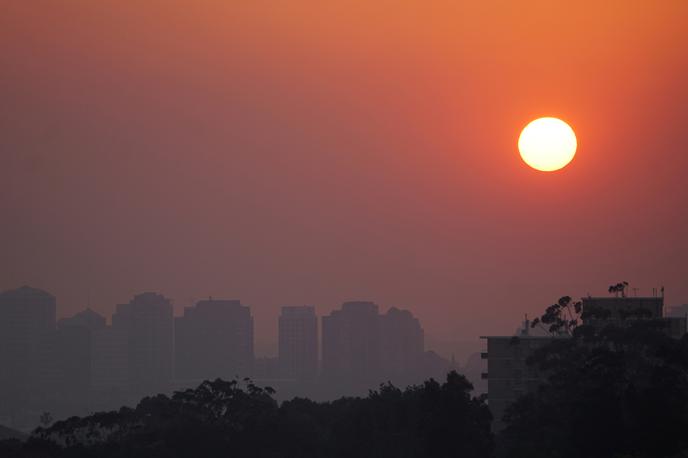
x=83, y=363
x=460, y=345
x=94, y=320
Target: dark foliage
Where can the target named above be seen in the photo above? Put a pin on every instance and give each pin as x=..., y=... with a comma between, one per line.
x=560, y=318
x=222, y=418
x=619, y=288
x=617, y=392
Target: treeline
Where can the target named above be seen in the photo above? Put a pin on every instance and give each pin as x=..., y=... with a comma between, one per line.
x=227, y=418
x=614, y=392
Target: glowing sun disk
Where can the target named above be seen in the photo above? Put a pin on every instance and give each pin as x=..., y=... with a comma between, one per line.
x=547, y=144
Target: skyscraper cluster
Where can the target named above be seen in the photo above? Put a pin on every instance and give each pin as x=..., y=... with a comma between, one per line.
x=361, y=347
x=81, y=363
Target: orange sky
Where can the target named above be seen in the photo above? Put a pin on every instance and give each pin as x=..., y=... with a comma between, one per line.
x=314, y=152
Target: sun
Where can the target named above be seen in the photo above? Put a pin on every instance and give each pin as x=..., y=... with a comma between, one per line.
x=547, y=144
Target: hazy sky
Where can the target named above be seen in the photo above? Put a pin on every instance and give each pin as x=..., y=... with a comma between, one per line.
x=295, y=152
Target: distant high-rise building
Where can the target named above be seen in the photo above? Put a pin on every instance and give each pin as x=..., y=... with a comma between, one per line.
x=266, y=370
x=88, y=319
x=214, y=339
x=72, y=361
x=351, y=346
x=147, y=323
x=27, y=324
x=401, y=345
x=298, y=343
x=109, y=368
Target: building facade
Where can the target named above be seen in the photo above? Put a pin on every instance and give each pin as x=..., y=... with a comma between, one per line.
x=298, y=343
x=508, y=374
x=73, y=362
x=214, y=339
x=110, y=368
x=402, y=342
x=146, y=324
x=27, y=328
x=623, y=311
x=351, y=346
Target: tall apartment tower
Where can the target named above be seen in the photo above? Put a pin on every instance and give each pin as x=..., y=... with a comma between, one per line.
x=214, y=339
x=27, y=325
x=147, y=326
x=401, y=345
x=73, y=362
x=109, y=368
x=86, y=319
x=351, y=346
x=298, y=343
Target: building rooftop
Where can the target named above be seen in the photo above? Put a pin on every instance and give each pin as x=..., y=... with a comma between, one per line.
x=623, y=298
x=25, y=291
x=528, y=337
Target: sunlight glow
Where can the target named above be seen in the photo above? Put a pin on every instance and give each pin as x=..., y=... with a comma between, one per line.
x=547, y=144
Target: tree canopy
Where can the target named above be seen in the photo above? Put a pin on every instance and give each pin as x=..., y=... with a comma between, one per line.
x=228, y=418
x=620, y=391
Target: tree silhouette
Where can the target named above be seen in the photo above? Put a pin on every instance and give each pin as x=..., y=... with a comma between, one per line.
x=46, y=419
x=560, y=318
x=617, y=391
x=229, y=418
x=619, y=288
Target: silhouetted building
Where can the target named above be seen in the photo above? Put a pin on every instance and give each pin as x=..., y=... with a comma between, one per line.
x=298, y=343
x=267, y=370
x=623, y=311
x=473, y=370
x=678, y=310
x=401, y=345
x=88, y=319
x=110, y=368
x=147, y=323
x=351, y=346
x=72, y=361
x=508, y=375
x=27, y=324
x=214, y=339
x=622, y=308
